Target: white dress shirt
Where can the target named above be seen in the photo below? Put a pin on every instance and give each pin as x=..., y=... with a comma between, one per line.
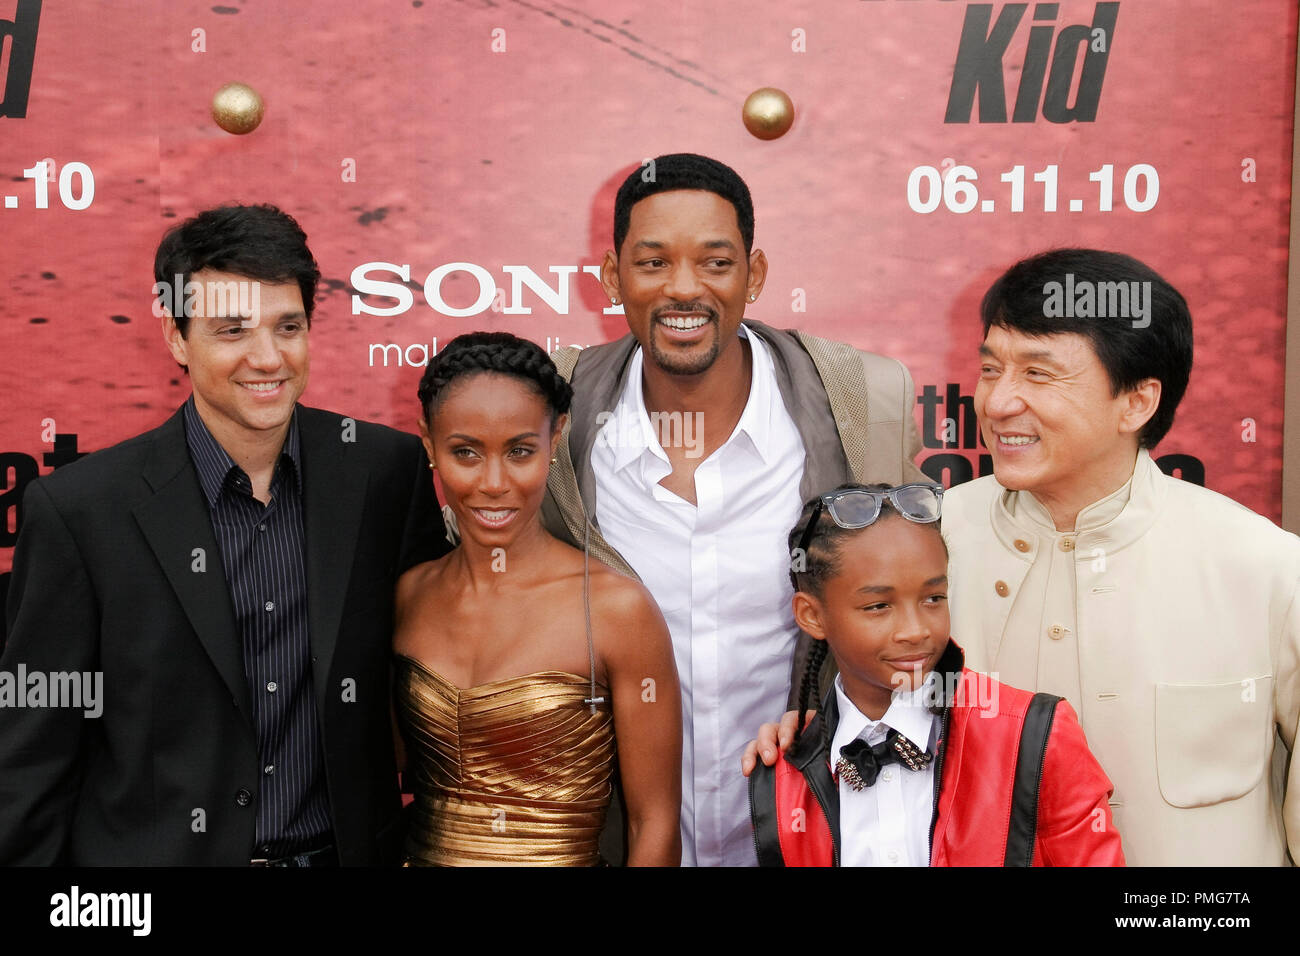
x=888, y=823
x=719, y=570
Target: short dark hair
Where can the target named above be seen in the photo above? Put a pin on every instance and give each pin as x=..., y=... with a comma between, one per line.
x=683, y=171
x=500, y=352
x=258, y=241
x=1160, y=348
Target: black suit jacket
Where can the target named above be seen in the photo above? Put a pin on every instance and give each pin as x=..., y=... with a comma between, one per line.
x=117, y=571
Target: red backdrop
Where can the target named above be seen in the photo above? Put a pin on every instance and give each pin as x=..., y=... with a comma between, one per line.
x=494, y=134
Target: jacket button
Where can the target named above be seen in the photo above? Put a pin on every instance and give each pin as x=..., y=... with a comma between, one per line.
x=243, y=797
x=1067, y=544
x=1002, y=589
x=1021, y=545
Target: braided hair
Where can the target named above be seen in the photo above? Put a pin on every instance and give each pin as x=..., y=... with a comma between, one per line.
x=499, y=352
x=810, y=570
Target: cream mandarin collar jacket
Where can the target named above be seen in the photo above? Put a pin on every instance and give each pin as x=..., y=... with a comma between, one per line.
x=1170, y=621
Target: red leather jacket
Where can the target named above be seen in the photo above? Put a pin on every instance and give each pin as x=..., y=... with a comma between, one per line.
x=1014, y=784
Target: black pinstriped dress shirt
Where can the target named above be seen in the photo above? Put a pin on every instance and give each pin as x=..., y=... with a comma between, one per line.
x=263, y=554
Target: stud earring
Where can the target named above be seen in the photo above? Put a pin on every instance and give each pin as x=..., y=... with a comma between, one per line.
x=432, y=466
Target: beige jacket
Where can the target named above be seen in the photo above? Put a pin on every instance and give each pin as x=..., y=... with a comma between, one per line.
x=1185, y=646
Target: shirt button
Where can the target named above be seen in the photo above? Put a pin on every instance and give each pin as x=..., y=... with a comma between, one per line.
x=1057, y=631
x=887, y=775
x=243, y=797
x=1002, y=589
x=893, y=856
x=261, y=527
x=269, y=605
x=1021, y=545
x=1067, y=544
x=272, y=686
x=269, y=769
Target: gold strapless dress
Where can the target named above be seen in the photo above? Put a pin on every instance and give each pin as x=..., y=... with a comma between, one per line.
x=511, y=773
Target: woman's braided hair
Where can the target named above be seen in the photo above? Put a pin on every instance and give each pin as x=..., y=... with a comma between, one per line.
x=810, y=571
x=500, y=352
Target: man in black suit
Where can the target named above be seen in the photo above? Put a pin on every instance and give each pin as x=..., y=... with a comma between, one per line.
x=230, y=575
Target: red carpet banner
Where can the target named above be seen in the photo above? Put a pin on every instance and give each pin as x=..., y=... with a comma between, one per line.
x=454, y=165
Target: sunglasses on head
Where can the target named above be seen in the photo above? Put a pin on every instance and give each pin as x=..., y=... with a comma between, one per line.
x=857, y=508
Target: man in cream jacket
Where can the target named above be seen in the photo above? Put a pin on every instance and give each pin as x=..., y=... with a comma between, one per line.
x=1166, y=614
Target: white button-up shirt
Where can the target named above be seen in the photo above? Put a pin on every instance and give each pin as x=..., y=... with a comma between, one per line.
x=720, y=572
x=888, y=823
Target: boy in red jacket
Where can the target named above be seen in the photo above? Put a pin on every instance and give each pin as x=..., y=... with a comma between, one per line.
x=915, y=759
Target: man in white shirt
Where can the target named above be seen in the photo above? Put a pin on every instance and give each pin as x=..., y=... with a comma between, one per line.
x=694, y=442
x=708, y=557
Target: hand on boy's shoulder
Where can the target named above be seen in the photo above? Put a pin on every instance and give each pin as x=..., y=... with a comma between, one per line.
x=773, y=739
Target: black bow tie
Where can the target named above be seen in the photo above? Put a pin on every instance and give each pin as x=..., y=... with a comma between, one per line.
x=860, y=762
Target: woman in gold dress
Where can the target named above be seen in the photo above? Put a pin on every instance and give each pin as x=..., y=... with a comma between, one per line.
x=524, y=666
